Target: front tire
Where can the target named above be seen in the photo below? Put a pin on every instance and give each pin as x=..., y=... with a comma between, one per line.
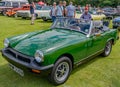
x=61, y=71
x=107, y=49
x=15, y=16
x=4, y=13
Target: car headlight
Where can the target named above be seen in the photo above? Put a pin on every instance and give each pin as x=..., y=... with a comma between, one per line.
x=6, y=42
x=39, y=57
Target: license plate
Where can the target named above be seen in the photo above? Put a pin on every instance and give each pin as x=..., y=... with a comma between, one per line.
x=17, y=70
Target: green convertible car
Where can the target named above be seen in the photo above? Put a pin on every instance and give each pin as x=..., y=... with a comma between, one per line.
x=69, y=42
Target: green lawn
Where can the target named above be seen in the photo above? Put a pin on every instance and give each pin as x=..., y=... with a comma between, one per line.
x=99, y=72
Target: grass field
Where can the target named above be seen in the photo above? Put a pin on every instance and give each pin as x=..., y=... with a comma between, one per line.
x=99, y=72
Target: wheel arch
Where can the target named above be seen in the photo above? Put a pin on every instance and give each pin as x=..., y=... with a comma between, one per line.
x=112, y=40
x=67, y=55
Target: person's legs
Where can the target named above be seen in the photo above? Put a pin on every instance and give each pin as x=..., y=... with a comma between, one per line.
x=53, y=18
x=32, y=19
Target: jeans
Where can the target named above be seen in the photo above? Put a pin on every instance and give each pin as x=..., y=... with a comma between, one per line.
x=53, y=18
x=60, y=18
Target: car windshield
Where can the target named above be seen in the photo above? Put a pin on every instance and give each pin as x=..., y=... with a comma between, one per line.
x=72, y=24
x=46, y=8
x=2, y=3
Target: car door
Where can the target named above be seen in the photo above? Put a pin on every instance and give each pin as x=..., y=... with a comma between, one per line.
x=96, y=43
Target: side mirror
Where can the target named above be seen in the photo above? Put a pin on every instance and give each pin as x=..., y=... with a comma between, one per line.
x=97, y=34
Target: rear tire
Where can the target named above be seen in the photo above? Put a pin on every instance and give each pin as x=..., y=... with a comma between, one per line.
x=23, y=17
x=107, y=49
x=61, y=71
x=44, y=19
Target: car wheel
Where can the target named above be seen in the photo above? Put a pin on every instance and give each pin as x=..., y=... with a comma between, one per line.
x=4, y=13
x=107, y=49
x=23, y=17
x=61, y=71
x=44, y=19
x=7, y=15
x=15, y=15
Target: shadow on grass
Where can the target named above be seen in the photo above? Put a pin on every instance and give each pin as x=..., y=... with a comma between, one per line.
x=20, y=18
x=85, y=64
x=9, y=78
x=41, y=21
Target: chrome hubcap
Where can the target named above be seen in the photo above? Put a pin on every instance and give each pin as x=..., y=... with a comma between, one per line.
x=108, y=48
x=62, y=71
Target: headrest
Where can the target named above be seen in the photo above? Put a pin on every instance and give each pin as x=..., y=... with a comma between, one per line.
x=97, y=23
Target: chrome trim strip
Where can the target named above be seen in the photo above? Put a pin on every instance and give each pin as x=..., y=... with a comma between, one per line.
x=80, y=62
x=91, y=26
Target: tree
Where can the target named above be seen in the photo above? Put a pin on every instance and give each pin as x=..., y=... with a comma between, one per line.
x=96, y=3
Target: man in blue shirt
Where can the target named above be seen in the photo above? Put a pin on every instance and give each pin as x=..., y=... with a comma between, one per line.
x=52, y=12
x=86, y=16
x=59, y=10
x=71, y=10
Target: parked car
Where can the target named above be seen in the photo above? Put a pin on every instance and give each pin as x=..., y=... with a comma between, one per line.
x=8, y=4
x=116, y=22
x=12, y=12
x=26, y=13
x=45, y=13
x=118, y=10
x=109, y=11
x=68, y=43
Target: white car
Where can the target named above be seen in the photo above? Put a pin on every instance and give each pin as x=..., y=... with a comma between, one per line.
x=45, y=13
x=26, y=13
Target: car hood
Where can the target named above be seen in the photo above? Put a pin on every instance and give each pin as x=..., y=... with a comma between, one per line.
x=45, y=41
x=95, y=17
x=42, y=11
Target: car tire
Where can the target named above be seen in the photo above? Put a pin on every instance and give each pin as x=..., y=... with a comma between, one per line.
x=23, y=17
x=15, y=15
x=107, y=49
x=44, y=19
x=8, y=15
x=61, y=71
x=4, y=13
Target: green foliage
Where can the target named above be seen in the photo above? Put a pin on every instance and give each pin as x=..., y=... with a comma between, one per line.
x=96, y=3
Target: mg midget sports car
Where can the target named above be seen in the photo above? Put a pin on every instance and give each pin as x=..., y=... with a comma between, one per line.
x=69, y=42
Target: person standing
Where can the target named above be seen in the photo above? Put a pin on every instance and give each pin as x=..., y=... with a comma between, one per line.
x=87, y=6
x=32, y=8
x=59, y=10
x=64, y=8
x=86, y=15
x=79, y=8
x=52, y=12
x=71, y=11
